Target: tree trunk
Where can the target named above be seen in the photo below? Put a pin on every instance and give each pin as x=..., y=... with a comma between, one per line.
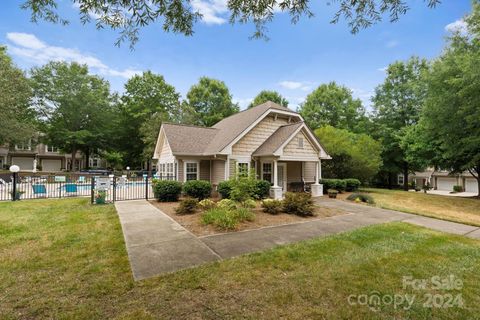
x=390, y=180
x=405, y=176
x=74, y=158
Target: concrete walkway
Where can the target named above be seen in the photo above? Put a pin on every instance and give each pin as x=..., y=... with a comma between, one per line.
x=156, y=244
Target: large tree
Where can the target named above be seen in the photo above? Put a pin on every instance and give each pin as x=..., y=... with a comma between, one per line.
x=353, y=155
x=397, y=104
x=334, y=105
x=75, y=107
x=449, y=129
x=15, y=95
x=267, y=95
x=211, y=101
x=148, y=100
x=180, y=16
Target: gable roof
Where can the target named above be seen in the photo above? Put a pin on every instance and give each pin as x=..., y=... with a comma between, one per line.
x=276, y=140
x=184, y=139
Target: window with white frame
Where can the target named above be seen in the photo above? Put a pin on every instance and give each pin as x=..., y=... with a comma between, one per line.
x=300, y=143
x=191, y=171
x=26, y=145
x=51, y=149
x=2, y=162
x=400, y=179
x=166, y=170
x=267, y=171
x=94, y=162
x=242, y=168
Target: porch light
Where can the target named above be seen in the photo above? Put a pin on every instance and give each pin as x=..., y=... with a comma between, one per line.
x=14, y=168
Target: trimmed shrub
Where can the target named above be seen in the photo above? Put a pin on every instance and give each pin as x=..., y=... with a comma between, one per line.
x=272, y=206
x=332, y=193
x=249, y=204
x=166, y=190
x=224, y=188
x=187, y=206
x=227, y=204
x=221, y=218
x=352, y=184
x=457, y=188
x=361, y=197
x=337, y=184
x=207, y=204
x=262, y=189
x=299, y=203
x=199, y=189
x=244, y=214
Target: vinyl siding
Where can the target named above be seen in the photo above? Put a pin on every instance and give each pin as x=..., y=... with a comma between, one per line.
x=205, y=170
x=166, y=155
x=293, y=149
x=233, y=168
x=309, y=171
x=218, y=171
x=180, y=170
x=253, y=139
x=294, y=171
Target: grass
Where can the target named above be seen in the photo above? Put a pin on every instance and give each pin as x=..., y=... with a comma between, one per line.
x=463, y=210
x=65, y=259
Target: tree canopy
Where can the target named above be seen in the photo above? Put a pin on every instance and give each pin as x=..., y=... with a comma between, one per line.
x=334, y=105
x=74, y=105
x=180, y=16
x=210, y=101
x=268, y=95
x=15, y=95
x=353, y=155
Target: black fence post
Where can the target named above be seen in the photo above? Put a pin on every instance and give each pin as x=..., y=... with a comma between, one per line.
x=14, y=189
x=92, y=190
x=114, y=188
x=146, y=187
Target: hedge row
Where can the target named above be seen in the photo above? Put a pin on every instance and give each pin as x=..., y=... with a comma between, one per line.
x=340, y=184
x=168, y=190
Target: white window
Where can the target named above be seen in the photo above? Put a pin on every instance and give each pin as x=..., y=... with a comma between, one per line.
x=2, y=162
x=400, y=179
x=191, y=171
x=27, y=145
x=51, y=149
x=267, y=171
x=243, y=168
x=300, y=143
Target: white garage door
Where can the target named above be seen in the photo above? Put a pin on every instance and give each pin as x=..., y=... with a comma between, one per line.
x=471, y=185
x=51, y=165
x=23, y=163
x=446, y=183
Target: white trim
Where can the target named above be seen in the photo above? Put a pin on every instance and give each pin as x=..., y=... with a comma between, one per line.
x=227, y=168
x=237, y=167
x=298, y=158
x=228, y=148
x=185, y=169
x=285, y=179
x=158, y=150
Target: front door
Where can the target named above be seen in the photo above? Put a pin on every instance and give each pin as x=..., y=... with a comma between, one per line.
x=282, y=176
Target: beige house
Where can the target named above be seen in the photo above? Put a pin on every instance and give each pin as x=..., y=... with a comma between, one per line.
x=270, y=139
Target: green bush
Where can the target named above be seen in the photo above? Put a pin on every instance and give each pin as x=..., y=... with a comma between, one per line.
x=262, y=189
x=244, y=214
x=166, y=190
x=272, y=206
x=224, y=188
x=199, y=189
x=352, y=184
x=249, y=204
x=243, y=188
x=227, y=204
x=457, y=188
x=187, y=206
x=221, y=218
x=337, y=184
x=361, y=197
x=299, y=203
x=207, y=204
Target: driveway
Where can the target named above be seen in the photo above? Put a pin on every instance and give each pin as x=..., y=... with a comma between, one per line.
x=157, y=244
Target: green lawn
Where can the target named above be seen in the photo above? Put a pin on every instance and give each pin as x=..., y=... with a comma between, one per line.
x=463, y=210
x=65, y=259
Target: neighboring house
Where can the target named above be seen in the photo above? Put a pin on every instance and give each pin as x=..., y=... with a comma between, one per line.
x=443, y=180
x=270, y=139
x=45, y=158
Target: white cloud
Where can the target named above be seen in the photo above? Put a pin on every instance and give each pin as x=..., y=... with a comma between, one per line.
x=293, y=85
x=457, y=26
x=243, y=103
x=364, y=96
x=29, y=47
x=213, y=11
x=384, y=69
x=92, y=14
x=392, y=44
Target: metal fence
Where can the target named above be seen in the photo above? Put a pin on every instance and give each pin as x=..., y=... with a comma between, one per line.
x=98, y=188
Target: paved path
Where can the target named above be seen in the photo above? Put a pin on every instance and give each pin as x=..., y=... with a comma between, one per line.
x=156, y=244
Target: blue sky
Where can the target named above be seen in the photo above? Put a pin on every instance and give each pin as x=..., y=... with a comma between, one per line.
x=295, y=60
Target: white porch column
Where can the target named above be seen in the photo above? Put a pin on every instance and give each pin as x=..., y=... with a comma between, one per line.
x=275, y=190
x=317, y=188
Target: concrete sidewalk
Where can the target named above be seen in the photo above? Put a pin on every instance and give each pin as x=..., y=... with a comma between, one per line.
x=155, y=243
